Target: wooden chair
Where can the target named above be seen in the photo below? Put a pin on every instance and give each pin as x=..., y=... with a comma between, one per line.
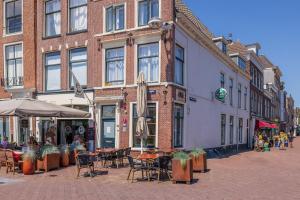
x=134, y=167
x=83, y=161
x=2, y=158
x=10, y=162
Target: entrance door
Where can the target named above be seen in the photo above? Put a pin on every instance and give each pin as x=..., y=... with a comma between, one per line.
x=108, y=126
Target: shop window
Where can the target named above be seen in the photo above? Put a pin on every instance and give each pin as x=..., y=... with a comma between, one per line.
x=151, y=122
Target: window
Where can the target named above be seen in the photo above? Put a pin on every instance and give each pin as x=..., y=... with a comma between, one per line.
x=78, y=66
x=147, y=10
x=52, y=18
x=148, y=61
x=240, y=95
x=115, y=18
x=14, y=65
x=179, y=65
x=231, y=91
x=78, y=15
x=242, y=64
x=4, y=128
x=231, y=129
x=151, y=122
x=223, y=129
x=245, y=98
x=241, y=130
x=222, y=80
x=52, y=71
x=13, y=16
x=114, y=66
x=178, y=125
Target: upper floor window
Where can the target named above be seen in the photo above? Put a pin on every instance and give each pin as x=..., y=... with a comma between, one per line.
x=13, y=16
x=239, y=95
x=222, y=80
x=78, y=66
x=147, y=9
x=148, y=61
x=242, y=64
x=52, y=18
x=52, y=71
x=231, y=91
x=245, y=98
x=179, y=65
x=114, y=59
x=78, y=15
x=115, y=18
x=14, y=65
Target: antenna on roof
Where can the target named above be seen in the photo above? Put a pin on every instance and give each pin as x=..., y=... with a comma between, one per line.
x=229, y=38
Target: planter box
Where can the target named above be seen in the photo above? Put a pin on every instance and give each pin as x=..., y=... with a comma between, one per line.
x=64, y=160
x=180, y=174
x=49, y=162
x=199, y=163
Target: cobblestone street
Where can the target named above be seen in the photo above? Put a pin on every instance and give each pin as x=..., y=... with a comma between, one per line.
x=250, y=175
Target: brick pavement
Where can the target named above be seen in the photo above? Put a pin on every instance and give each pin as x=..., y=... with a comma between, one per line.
x=250, y=175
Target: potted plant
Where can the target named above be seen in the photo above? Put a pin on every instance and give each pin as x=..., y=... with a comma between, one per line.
x=199, y=160
x=29, y=158
x=64, y=155
x=50, y=158
x=182, y=167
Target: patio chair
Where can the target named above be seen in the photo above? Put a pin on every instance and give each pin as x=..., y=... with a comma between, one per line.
x=162, y=166
x=10, y=162
x=83, y=161
x=109, y=157
x=134, y=167
x=2, y=158
x=119, y=157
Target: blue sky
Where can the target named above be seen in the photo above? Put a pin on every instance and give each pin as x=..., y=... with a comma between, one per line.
x=275, y=24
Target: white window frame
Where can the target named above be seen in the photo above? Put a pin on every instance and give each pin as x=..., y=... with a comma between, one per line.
x=44, y=70
x=125, y=18
x=45, y=17
x=69, y=19
x=137, y=14
x=4, y=19
x=131, y=131
x=4, y=63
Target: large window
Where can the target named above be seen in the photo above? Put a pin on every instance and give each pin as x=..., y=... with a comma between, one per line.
x=231, y=91
x=148, y=61
x=151, y=121
x=114, y=66
x=147, y=10
x=241, y=130
x=14, y=65
x=4, y=128
x=239, y=95
x=78, y=15
x=178, y=125
x=78, y=66
x=231, y=129
x=223, y=129
x=52, y=71
x=13, y=16
x=115, y=18
x=52, y=18
x=179, y=65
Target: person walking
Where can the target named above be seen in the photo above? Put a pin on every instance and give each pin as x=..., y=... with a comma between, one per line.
x=291, y=138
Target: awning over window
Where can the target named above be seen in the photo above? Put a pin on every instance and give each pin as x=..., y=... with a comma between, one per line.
x=262, y=124
x=274, y=126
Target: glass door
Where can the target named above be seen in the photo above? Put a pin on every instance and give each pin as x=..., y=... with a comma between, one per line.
x=108, y=126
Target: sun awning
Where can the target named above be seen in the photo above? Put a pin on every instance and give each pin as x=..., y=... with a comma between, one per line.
x=262, y=124
x=274, y=126
x=36, y=108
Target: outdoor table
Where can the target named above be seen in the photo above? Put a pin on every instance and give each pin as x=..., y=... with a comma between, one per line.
x=148, y=158
x=17, y=155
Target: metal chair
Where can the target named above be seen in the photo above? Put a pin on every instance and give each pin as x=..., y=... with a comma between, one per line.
x=134, y=168
x=83, y=160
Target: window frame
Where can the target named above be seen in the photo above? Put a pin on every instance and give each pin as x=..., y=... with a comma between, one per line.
x=114, y=8
x=181, y=132
x=5, y=32
x=240, y=132
x=231, y=129
x=45, y=20
x=245, y=97
x=182, y=62
x=222, y=80
x=69, y=17
x=149, y=17
x=47, y=66
x=239, y=95
x=223, y=127
x=84, y=86
x=121, y=82
x=231, y=85
x=149, y=57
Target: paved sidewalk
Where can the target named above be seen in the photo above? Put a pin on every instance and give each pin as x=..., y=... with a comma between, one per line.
x=250, y=175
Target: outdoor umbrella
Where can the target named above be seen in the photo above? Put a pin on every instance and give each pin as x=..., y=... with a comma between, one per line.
x=141, y=126
x=36, y=108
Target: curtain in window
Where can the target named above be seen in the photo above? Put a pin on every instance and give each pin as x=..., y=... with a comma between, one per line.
x=143, y=13
x=78, y=15
x=78, y=60
x=119, y=17
x=149, y=61
x=53, y=20
x=115, y=65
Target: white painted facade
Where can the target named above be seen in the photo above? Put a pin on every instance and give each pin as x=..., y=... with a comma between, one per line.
x=202, y=120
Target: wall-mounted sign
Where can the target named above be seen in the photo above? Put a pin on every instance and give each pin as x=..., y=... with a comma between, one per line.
x=220, y=94
x=180, y=95
x=152, y=92
x=193, y=99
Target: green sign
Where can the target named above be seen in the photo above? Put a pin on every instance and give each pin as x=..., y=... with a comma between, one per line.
x=220, y=94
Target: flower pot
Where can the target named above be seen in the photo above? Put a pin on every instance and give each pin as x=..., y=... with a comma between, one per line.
x=28, y=166
x=184, y=174
x=64, y=159
x=49, y=162
x=199, y=163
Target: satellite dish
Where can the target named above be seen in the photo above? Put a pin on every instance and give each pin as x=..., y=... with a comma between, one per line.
x=155, y=23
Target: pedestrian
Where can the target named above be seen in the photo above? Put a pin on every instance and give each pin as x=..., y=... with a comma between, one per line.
x=291, y=138
x=5, y=143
